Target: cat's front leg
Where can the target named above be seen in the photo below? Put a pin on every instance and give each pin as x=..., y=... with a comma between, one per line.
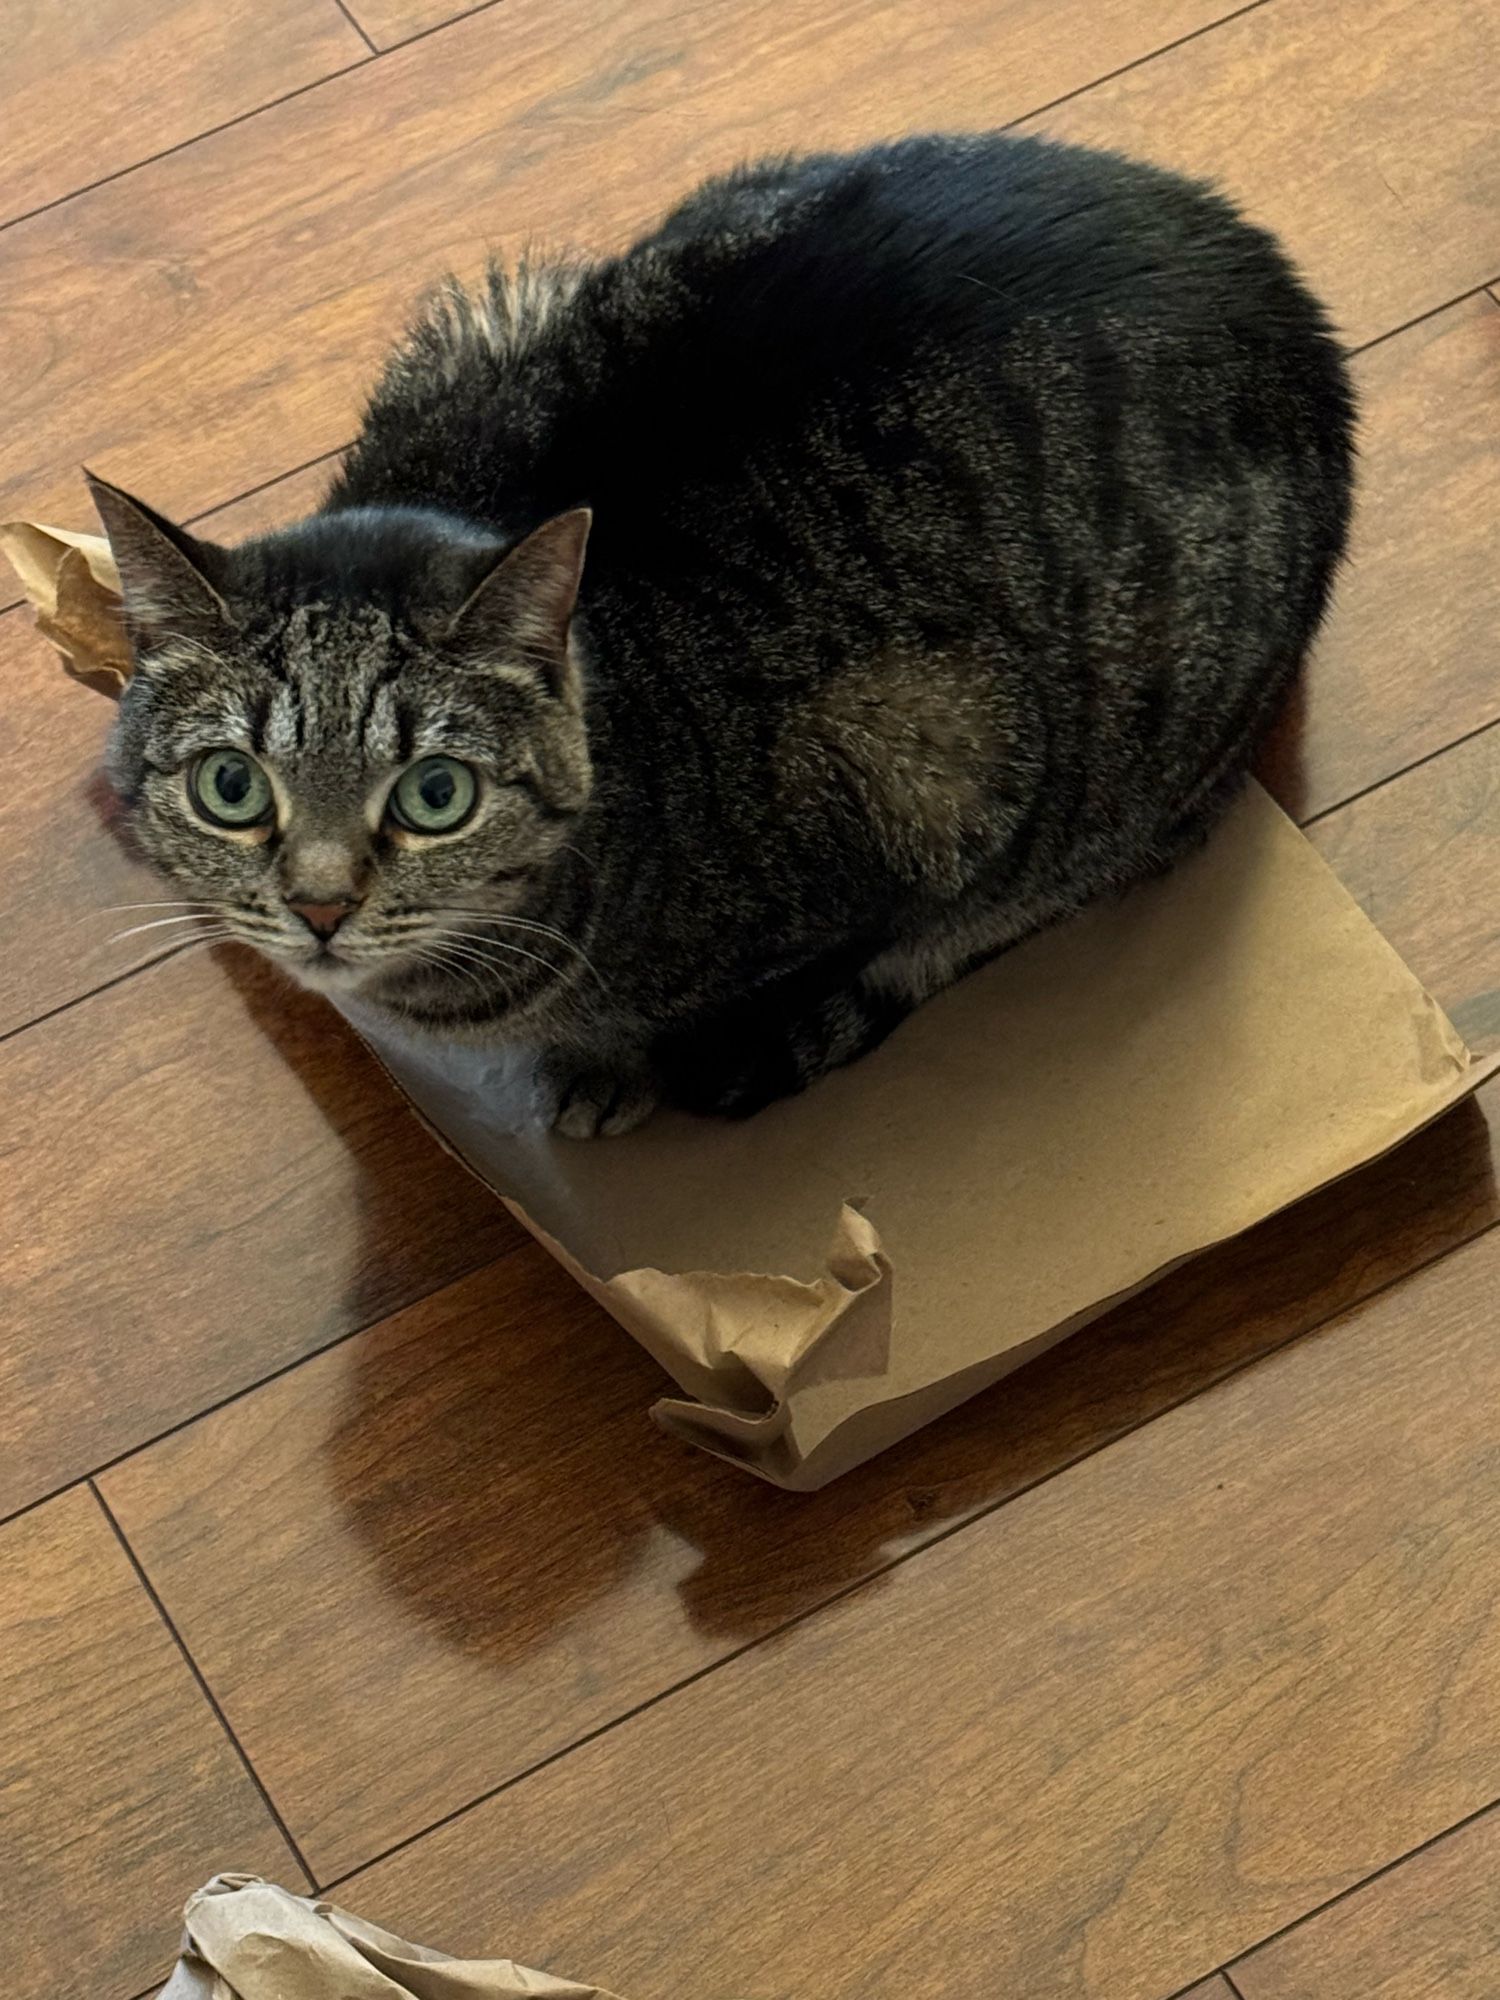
x=587, y=1096
x=775, y=1043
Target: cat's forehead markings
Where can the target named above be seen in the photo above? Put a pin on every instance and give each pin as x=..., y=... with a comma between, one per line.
x=285, y=721
x=381, y=731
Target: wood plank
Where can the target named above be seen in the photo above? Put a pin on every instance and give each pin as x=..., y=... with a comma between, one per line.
x=1406, y=664
x=1428, y=1930
x=91, y=90
x=1101, y=1741
x=1421, y=854
x=61, y=873
x=206, y=1178
x=1216, y=1988
x=1361, y=130
x=61, y=870
x=121, y=1790
x=388, y=22
x=476, y=1549
x=193, y=326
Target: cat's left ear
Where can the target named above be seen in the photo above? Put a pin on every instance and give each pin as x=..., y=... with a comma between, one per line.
x=525, y=605
x=168, y=579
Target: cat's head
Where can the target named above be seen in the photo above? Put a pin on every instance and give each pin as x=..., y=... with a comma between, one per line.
x=351, y=739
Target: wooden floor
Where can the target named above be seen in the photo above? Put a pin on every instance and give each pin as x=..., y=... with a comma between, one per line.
x=336, y=1545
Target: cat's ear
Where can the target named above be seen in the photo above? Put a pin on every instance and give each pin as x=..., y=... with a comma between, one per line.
x=525, y=605
x=168, y=579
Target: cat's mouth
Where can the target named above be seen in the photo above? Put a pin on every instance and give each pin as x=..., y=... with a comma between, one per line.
x=328, y=970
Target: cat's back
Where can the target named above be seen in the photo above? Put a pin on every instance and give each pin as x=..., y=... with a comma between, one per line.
x=841, y=294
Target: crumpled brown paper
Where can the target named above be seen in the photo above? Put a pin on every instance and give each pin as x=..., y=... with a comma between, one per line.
x=245, y=1939
x=74, y=588
x=1036, y=1144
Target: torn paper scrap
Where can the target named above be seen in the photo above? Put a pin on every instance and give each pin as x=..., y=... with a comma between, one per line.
x=246, y=1939
x=74, y=588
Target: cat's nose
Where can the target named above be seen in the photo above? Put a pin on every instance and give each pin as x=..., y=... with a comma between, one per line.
x=323, y=919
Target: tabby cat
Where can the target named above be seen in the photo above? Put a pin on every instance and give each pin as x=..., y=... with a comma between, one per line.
x=705, y=654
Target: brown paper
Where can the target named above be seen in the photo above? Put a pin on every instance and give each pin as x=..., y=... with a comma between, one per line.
x=245, y=1939
x=1034, y=1145
x=74, y=588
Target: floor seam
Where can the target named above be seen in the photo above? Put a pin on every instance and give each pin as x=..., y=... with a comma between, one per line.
x=1354, y=1888
x=181, y=145
x=1136, y=62
x=1428, y=312
x=1394, y=777
x=357, y=26
x=199, y=1677
x=120, y=1458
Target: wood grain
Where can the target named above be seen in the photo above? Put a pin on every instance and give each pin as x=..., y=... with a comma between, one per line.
x=1428, y=1930
x=1087, y=1749
x=1406, y=664
x=1360, y=130
x=271, y=506
x=61, y=870
x=92, y=89
x=476, y=1549
x=120, y=1790
x=195, y=326
x=206, y=1177
x=1421, y=854
x=1211, y=1989
x=388, y=22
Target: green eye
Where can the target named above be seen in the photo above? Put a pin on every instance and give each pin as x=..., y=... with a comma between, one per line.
x=435, y=796
x=230, y=789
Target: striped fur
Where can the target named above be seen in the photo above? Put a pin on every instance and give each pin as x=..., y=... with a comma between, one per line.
x=961, y=511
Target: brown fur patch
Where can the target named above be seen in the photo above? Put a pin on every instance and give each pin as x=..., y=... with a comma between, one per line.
x=919, y=742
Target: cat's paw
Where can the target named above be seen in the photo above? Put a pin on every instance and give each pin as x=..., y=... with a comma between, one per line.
x=594, y=1100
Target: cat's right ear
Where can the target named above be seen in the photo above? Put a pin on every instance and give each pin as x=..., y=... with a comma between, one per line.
x=169, y=580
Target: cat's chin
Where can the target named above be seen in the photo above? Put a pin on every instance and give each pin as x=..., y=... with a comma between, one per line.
x=334, y=976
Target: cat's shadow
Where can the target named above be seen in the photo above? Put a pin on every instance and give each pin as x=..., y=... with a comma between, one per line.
x=495, y=1462
x=1280, y=765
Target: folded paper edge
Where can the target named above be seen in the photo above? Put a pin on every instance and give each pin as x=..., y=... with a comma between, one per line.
x=761, y=1440
x=876, y=1427
x=731, y=1405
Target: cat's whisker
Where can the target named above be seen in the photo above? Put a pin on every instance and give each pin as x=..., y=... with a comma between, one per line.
x=134, y=930
x=191, y=903
x=465, y=954
x=490, y=944
x=451, y=967
x=178, y=949
x=525, y=923
x=508, y=922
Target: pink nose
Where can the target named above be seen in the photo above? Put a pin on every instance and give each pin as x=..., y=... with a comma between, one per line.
x=323, y=919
